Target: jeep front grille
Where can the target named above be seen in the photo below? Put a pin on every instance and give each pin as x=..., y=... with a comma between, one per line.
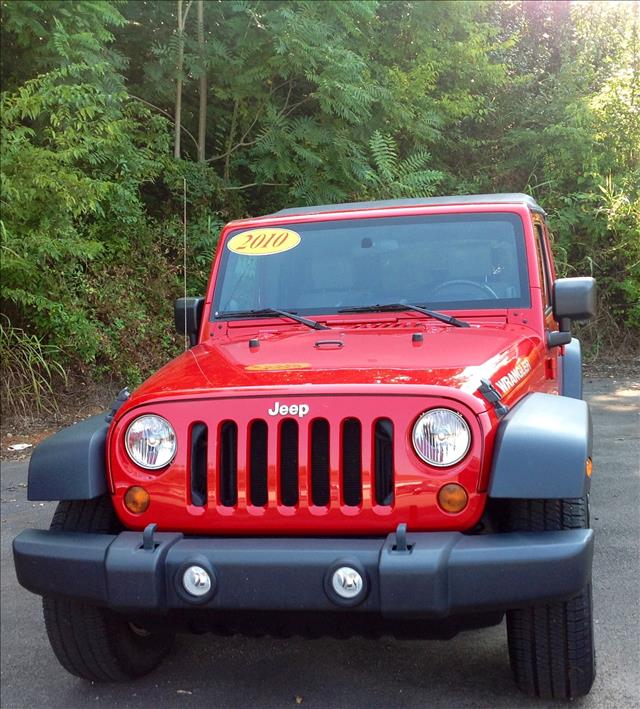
x=258, y=463
x=352, y=462
x=228, y=466
x=303, y=462
x=288, y=477
x=320, y=462
x=384, y=462
x=339, y=463
x=198, y=457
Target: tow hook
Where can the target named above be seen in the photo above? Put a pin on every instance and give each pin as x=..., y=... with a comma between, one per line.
x=401, y=546
x=148, y=541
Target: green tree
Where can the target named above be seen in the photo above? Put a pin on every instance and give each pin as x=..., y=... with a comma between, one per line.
x=284, y=103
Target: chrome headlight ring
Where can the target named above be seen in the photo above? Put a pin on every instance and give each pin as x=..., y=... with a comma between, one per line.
x=441, y=437
x=150, y=442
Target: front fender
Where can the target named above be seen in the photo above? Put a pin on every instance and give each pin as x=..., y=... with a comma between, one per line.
x=541, y=449
x=70, y=465
x=571, y=370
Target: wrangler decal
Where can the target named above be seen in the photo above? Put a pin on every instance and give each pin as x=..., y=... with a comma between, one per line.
x=519, y=372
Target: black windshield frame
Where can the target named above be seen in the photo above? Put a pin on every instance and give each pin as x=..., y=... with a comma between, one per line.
x=522, y=302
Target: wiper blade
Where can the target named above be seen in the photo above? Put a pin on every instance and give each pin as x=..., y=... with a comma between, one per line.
x=265, y=312
x=449, y=319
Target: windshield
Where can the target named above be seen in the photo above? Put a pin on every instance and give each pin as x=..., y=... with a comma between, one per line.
x=445, y=262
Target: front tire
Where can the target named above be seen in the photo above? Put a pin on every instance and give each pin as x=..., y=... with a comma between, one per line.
x=96, y=643
x=551, y=646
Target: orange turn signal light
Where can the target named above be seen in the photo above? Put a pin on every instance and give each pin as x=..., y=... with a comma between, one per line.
x=136, y=499
x=453, y=498
x=588, y=468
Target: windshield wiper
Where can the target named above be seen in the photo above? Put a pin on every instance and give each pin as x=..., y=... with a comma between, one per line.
x=265, y=312
x=449, y=319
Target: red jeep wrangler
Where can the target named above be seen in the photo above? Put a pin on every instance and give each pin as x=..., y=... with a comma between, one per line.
x=378, y=429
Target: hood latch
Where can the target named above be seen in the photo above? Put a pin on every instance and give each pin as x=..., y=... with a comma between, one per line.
x=492, y=395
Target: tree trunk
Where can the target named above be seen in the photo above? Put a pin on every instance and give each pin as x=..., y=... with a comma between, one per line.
x=182, y=20
x=202, y=112
x=178, y=106
x=232, y=132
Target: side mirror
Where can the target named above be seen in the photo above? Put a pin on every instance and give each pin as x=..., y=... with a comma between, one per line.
x=573, y=299
x=188, y=316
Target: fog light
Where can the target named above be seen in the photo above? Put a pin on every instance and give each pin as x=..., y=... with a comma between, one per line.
x=136, y=499
x=453, y=498
x=347, y=582
x=196, y=581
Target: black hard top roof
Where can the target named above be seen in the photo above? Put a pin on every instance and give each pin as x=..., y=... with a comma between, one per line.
x=504, y=198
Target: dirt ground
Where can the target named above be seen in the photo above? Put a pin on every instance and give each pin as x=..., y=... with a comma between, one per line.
x=78, y=402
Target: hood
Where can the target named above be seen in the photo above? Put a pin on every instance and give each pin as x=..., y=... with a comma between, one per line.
x=376, y=354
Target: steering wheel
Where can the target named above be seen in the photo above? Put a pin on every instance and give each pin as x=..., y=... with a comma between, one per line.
x=487, y=290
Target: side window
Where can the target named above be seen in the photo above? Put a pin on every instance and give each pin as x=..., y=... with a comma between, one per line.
x=543, y=266
x=549, y=252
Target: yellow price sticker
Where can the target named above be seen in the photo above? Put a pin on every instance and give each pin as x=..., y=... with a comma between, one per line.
x=263, y=242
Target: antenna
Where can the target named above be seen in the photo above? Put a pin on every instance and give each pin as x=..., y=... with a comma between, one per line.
x=184, y=256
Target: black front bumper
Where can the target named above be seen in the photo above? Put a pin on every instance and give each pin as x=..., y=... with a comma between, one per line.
x=442, y=573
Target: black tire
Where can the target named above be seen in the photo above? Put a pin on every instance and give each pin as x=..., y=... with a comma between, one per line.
x=551, y=646
x=96, y=643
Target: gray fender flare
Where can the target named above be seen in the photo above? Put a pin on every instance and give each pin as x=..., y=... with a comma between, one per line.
x=541, y=449
x=70, y=465
x=570, y=365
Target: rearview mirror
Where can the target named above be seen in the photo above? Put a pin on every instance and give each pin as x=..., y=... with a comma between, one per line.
x=573, y=299
x=188, y=315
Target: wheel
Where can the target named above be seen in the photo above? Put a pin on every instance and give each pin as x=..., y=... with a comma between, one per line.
x=96, y=643
x=551, y=646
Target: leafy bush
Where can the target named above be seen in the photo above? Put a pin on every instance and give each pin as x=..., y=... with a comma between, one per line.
x=390, y=177
x=76, y=242
x=29, y=372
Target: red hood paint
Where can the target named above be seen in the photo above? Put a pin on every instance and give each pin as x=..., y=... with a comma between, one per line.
x=372, y=353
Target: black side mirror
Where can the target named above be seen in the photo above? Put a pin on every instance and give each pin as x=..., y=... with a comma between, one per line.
x=573, y=299
x=188, y=315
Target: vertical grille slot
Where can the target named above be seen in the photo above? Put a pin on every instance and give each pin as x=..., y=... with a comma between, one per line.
x=384, y=461
x=289, y=463
x=228, y=479
x=320, y=462
x=198, y=464
x=258, y=463
x=352, y=462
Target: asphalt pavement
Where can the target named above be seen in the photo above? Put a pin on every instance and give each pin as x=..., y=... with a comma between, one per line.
x=472, y=670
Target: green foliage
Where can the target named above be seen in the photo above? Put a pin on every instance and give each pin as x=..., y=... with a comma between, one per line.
x=76, y=243
x=391, y=178
x=41, y=35
x=29, y=369
x=581, y=138
x=308, y=101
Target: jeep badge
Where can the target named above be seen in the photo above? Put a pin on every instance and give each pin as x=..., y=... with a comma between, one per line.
x=299, y=410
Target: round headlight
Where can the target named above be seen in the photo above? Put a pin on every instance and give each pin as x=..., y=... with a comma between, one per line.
x=441, y=437
x=151, y=442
